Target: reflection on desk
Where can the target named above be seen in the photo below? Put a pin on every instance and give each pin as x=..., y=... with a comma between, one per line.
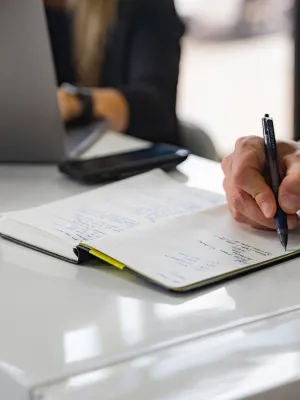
x=254, y=362
x=60, y=321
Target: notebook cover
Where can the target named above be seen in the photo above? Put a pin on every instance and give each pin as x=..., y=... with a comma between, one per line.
x=40, y=250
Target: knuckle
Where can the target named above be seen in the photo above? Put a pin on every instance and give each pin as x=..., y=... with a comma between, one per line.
x=241, y=143
x=259, y=198
x=259, y=193
x=239, y=177
x=249, y=152
x=226, y=163
x=237, y=202
x=247, y=142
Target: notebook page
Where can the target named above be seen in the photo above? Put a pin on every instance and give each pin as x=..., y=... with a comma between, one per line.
x=139, y=201
x=193, y=248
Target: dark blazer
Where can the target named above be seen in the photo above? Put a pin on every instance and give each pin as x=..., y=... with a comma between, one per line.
x=142, y=61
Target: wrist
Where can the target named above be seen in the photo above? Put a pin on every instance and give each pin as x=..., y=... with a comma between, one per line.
x=75, y=107
x=112, y=106
x=81, y=103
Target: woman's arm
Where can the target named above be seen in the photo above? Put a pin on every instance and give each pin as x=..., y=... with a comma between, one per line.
x=146, y=106
x=109, y=104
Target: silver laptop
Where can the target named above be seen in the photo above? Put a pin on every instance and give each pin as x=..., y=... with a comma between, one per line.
x=31, y=128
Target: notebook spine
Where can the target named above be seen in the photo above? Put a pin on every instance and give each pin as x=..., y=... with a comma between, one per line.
x=83, y=255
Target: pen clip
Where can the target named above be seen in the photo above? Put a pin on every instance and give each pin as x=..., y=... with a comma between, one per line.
x=271, y=153
x=269, y=137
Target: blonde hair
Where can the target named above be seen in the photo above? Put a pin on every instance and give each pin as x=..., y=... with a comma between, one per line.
x=92, y=19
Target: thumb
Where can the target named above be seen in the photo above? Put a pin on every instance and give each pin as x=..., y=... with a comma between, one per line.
x=289, y=191
x=289, y=194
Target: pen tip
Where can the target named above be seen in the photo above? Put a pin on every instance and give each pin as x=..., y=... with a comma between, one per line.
x=283, y=239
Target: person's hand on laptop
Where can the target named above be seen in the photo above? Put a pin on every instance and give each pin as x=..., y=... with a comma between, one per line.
x=250, y=199
x=108, y=103
x=69, y=105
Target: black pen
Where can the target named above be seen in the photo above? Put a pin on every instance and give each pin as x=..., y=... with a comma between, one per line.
x=274, y=175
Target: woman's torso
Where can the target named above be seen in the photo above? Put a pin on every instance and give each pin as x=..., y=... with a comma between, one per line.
x=114, y=68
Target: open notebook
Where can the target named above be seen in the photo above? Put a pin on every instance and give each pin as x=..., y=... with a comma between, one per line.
x=174, y=236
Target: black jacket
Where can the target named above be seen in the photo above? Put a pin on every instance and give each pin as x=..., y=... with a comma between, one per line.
x=142, y=61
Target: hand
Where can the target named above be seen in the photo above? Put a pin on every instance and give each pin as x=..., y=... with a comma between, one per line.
x=69, y=105
x=250, y=199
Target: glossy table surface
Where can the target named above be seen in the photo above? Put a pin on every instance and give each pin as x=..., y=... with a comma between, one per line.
x=260, y=361
x=59, y=320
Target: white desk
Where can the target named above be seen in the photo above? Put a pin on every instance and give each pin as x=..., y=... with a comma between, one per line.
x=241, y=363
x=59, y=321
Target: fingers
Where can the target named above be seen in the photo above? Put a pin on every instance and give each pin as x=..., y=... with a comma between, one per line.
x=247, y=169
x=250, y=199
x=245, y=210
x=70, y=107
x=289, y=192
x=253, y=183
x=293, y=222
x=242, y=219
x=62, y=103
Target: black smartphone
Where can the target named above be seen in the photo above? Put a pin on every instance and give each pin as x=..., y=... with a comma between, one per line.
x=124, y=165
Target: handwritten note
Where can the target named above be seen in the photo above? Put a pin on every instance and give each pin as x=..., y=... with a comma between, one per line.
x=123, y=206
x=194, y=247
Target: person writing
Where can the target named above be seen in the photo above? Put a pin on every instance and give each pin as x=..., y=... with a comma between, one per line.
x=250, y=198
x=127, y=53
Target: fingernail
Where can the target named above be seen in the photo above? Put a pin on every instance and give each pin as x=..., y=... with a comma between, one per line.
x=290, y=202
x=293, y=221
x=266, y=209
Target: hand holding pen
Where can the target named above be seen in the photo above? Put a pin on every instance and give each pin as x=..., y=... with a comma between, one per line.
x=250, y=198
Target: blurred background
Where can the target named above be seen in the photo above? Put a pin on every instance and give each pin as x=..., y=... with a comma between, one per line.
x=237, y=64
